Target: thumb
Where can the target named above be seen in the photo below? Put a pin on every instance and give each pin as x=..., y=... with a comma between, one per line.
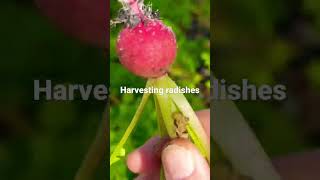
x=182, y=161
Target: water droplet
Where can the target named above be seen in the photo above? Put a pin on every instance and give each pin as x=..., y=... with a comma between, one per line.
x=153, y=33
x=140, y=31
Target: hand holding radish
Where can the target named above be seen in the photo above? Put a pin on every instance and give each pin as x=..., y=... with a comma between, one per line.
x=180, y=158
x=147, y=48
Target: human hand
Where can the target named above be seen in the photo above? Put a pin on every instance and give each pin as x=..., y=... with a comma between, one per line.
x=179, y=157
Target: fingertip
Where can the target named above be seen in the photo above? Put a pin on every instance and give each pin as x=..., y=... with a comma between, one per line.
x=144, y=159
x=182, y=160
x=178, y=162
x=204, y=117
x=148, y=176
x=134, y=162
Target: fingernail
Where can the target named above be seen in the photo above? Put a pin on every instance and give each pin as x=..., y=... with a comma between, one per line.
x=177, y=161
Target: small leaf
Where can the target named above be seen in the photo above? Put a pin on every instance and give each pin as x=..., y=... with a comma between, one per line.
x=117, y=156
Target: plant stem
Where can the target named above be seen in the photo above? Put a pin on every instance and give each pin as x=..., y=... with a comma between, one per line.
x=161, y=125
x=162, y=129
x=96, y=152
x=237, y=141
x=115, y=155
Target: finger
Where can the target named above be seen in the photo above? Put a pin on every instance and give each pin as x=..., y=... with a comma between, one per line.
x=152, y=176
x=145, y=159
x=300, y=166
x=182, y=161
x=204, y=117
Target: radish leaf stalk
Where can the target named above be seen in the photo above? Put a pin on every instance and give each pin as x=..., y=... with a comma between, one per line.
x=119, y=151
x=195, y=129
x=237, y=141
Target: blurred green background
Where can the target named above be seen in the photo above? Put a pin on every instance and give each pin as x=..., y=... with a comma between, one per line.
x=273, y=42
x=190, y=20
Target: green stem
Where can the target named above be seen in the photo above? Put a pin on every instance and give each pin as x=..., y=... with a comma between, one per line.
x=119, y=150
x=238, y=142
x=96, y=152
x=166, y=108
x=162, y=128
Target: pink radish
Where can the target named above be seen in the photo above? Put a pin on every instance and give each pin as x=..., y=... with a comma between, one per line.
x=146, y=47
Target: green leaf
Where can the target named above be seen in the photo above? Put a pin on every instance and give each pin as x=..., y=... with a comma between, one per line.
x=118, y=154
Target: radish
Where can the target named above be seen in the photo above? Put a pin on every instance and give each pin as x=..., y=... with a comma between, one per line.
x=147, y=48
